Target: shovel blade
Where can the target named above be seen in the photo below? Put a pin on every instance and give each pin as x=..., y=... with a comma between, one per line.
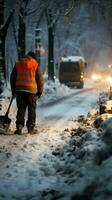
x=4, y=122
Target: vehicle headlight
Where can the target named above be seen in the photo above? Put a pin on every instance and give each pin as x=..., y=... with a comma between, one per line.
x=96, y=77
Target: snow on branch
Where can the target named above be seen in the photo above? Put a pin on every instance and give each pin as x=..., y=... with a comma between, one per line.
x=70, y=8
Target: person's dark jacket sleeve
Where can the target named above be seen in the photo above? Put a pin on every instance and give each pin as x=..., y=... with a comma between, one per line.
x=40, y=82
x=13, y=80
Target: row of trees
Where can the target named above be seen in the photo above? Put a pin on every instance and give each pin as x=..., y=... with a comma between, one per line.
x=52, y=16
x=53, y=12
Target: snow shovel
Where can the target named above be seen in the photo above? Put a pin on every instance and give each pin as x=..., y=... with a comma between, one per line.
x=5, y=120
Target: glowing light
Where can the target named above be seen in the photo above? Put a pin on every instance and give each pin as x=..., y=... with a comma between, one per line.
x=109, y=80
x=96, y=77
x=110, y=66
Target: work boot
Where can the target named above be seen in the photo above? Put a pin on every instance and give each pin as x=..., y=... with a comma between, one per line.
x=32, y=131
x=19, y=130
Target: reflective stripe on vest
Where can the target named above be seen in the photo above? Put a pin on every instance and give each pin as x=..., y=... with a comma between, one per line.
x=26, y=69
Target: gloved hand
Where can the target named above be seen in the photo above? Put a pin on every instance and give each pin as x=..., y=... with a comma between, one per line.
x=39, y=94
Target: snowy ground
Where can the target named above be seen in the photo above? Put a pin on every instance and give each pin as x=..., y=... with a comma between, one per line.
x=74, y=162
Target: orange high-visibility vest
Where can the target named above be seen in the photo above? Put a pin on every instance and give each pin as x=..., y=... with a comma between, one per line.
x=26, y=73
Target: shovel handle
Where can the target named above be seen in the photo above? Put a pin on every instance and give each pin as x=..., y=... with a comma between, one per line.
x=9, y=106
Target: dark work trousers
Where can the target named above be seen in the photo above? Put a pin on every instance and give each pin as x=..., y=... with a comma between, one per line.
x=25, y=101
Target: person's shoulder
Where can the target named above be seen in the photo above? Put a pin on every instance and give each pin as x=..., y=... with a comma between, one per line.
x=35, y=61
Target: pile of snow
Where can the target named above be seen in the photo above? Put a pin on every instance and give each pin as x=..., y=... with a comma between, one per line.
x=54, y=90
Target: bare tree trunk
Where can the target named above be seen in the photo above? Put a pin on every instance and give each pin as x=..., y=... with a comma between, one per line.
x=51, y=53
x=3, y=33
x=21, y=38
x=50, y=45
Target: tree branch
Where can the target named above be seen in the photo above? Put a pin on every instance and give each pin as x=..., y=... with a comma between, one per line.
x=69, y=9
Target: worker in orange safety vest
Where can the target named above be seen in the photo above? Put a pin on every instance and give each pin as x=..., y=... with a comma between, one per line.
x=27, y=83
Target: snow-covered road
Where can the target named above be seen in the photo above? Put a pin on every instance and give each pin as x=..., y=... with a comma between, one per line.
x=56, y=115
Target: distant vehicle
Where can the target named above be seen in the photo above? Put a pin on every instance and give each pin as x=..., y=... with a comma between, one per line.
x=71, y=71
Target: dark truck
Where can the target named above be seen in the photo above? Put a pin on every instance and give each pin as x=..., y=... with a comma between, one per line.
x=71, y=71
